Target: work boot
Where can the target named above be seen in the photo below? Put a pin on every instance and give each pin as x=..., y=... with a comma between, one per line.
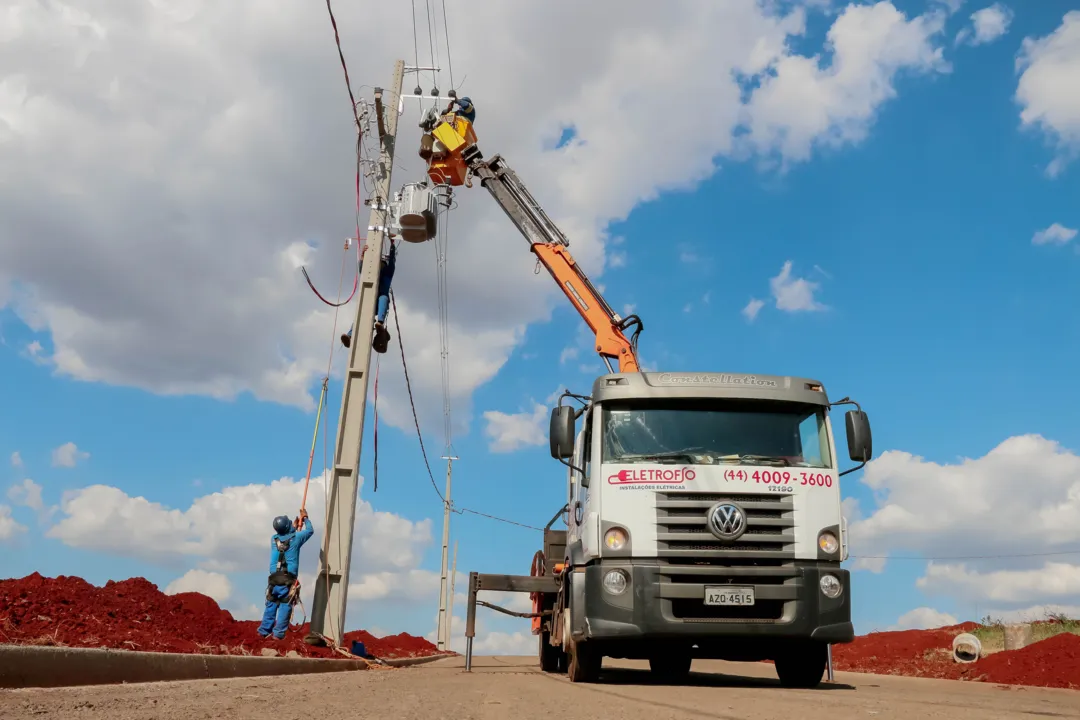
x=382, y=338
x=345, y=339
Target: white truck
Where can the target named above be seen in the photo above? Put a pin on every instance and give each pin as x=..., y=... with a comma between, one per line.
x=703, y=509
x=704, y=521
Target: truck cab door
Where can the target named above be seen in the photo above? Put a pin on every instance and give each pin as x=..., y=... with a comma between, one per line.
x=587, y=498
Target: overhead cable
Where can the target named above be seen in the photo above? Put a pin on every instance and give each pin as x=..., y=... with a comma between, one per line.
x=344, y=66
x=420, y=436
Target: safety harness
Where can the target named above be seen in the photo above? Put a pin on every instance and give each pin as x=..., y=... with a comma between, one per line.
x=281, y=575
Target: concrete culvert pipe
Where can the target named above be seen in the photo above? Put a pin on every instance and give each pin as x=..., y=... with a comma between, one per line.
x=966, y=648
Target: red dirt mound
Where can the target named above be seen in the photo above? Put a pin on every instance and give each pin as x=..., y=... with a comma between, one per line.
x=1054, y=662
x=134, y=615
x=921, y=653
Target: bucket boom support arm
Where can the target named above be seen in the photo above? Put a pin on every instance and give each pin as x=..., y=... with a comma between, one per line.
x=550, y=246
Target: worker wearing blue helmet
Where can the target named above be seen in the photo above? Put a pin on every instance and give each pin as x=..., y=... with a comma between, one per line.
x=465, y=109
x=282, y=588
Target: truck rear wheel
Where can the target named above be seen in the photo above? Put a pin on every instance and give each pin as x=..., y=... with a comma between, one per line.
x=585, y=662
x=802, y=666
x=671, y=667
x=552, y=658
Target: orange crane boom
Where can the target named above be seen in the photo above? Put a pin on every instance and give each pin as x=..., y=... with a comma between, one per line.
x=551, y=248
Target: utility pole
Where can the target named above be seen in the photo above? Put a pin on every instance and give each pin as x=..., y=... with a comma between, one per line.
x=332, y=584
x=450, y=599
x=441, y=629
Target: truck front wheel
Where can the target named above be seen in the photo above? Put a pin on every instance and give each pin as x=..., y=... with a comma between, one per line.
x=802, y=666
x=552, y=658
x=585, y=662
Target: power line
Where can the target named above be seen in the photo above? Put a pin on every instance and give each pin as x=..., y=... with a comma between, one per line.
x=446, y=33
x=420, y=436
x=492, y=517
x=344, y=67
x=408, y=387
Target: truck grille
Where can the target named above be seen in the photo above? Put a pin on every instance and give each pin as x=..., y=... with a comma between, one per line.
x=693, y=558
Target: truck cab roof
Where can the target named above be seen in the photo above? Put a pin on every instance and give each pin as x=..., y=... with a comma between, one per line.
x=720, y=385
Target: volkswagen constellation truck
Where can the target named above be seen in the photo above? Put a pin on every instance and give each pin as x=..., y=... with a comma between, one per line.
x=704, y=521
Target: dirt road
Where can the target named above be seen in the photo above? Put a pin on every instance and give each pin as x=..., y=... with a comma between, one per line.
x=515, y=689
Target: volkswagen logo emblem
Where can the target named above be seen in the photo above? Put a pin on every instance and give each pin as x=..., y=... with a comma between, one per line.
x=726, y=521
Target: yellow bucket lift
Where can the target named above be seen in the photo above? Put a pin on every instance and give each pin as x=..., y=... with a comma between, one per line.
x=442, y=148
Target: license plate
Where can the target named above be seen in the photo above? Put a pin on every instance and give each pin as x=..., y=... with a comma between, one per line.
x=741, y=596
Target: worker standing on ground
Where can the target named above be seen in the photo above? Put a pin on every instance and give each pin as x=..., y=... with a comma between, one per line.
x=386, y=276
x=283, y=588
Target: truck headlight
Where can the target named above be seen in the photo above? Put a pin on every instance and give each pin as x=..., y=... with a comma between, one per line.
x=830, y=586
x=828, y=543
x=615, y=538
x=615, y=582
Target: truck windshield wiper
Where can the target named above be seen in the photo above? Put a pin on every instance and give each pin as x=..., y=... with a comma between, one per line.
x=677, y=456
x=756, y=459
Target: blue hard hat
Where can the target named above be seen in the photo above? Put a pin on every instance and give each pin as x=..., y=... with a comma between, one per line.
x=464, y=102
x=282, y=525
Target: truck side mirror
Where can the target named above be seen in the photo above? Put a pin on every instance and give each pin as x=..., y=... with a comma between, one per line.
x=859, y=439
x=561, y=433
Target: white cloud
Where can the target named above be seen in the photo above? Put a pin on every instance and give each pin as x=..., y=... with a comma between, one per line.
x=16, y=459
x=569, y=353
x=229, y=530
x=953, y=6
x=1056, y=234
x=803, y=104
x=1014, y=514
x=753, y=308
x=212, y=584
x=410, y=585
x=8, y=527
x=28, y=494
x=153, y=258
x=68, y=455
x=1049, y=88
x=794, y=294
x=508, y=432
x=1050, y=582
x=923, y=618
x=987, y=25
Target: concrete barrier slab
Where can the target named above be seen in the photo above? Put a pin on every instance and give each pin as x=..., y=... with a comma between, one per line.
x=24, y=666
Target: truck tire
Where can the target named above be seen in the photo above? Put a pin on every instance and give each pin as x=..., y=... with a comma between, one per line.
x=552, y=658
x=802, y=666
x=671, y=667
x=585, y=662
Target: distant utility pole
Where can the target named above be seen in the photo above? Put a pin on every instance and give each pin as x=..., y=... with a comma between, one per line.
x=332, y=584
x=441, y=629
x=450, y=600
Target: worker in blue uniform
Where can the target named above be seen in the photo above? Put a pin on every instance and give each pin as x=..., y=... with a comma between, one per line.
x=462, y=107
x=282, y=588
x=465, y=109
x=382, y=304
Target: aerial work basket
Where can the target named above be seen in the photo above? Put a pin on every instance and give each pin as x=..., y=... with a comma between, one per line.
x=442, y=148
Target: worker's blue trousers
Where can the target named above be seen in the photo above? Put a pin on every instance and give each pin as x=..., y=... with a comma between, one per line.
x=277, y=613
x=386, y=277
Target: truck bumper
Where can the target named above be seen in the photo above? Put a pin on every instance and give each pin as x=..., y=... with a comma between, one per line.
x=661, y=605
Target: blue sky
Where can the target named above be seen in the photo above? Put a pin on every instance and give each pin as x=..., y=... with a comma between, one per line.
x=917, y=286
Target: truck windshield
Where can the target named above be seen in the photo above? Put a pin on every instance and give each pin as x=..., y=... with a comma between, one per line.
x=755, y=433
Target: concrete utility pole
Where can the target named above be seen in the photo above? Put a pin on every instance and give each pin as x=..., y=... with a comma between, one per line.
x=450, y=600
x=441, y=629
x=332, y=584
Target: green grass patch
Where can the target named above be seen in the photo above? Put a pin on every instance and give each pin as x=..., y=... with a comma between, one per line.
x=992, y=632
